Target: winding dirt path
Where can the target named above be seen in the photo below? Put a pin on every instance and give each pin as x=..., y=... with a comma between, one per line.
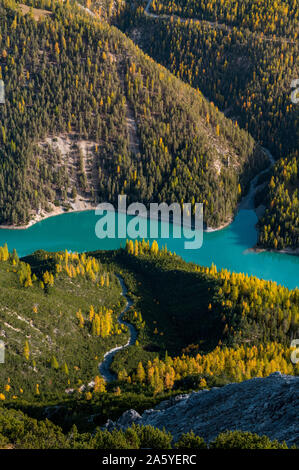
x=104, y=367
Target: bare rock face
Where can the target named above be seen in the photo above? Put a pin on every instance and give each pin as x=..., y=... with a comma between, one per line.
x=266, y=406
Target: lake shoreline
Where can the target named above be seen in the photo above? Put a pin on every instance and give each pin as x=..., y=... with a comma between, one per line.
x=85, y=206
x=226, y=249
x=286, y=251
x=92, y=207
x=220, y=227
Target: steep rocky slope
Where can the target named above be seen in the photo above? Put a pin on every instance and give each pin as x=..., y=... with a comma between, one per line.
x=265, y=406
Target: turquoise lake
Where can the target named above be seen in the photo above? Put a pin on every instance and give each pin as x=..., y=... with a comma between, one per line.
x=227, y=248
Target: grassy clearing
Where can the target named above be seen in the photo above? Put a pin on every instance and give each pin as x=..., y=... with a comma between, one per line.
x=47, y=321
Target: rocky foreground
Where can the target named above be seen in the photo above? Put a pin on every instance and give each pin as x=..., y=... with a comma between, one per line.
x=266, y=406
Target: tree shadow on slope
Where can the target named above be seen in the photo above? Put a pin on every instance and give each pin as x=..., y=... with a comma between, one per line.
x=182, y=309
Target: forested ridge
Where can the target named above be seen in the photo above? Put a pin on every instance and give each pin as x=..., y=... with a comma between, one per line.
x=279, y=226
x=58, y=317
x=245, y=72
x=279, y=17
x=79, y=83
x=248, y=78
x=238, y=326
x=230, y=317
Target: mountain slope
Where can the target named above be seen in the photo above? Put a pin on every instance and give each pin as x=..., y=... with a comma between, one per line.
x=257, y=16
x=197, y=328
x=88, y=116
x=247, y=73
x=265, y=406
x=61, y=308
x=16, y=433
x=57, y=319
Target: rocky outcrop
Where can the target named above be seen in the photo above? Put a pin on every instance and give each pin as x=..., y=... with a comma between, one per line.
x=266, y=406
